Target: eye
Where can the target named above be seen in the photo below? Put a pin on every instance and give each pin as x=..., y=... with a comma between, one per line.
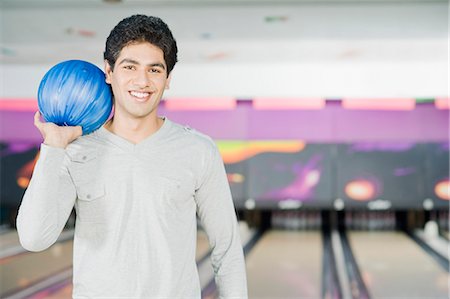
x=129, y=67
x=155, y=70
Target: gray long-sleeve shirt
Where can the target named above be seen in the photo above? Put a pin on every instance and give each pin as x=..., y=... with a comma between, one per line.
x=135, y=233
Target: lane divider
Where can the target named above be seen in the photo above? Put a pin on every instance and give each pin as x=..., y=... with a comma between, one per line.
x=358, y=288
x=339, y=260
x=438, y=257
x=330, y=280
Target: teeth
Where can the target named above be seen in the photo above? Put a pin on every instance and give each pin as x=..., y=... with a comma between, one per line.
x=139, y=94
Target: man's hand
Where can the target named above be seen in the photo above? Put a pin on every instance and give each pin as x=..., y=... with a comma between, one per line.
x=54, y=135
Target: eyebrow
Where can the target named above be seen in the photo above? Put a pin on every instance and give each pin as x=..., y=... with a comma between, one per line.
x=128, y=60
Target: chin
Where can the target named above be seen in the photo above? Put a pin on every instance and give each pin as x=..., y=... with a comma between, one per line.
x=142, y=114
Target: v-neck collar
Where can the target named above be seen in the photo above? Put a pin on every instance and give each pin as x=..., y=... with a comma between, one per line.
x=128, y=145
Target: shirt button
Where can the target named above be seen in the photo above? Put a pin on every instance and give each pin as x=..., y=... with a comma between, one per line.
x=84, y=158
x=88, y=196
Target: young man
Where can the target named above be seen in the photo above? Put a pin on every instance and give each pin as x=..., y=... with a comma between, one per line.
x=137, y=184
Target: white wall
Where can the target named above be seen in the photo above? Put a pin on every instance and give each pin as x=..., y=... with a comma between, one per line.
x=389, y=49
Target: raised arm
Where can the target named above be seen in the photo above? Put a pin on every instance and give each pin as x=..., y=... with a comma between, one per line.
x=216, y=212
x=50, y=196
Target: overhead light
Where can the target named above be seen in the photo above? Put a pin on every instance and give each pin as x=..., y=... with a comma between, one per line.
x=379, y=104
x=18, y=104
x=288, y=103
x=442, y=103
x=200, y=103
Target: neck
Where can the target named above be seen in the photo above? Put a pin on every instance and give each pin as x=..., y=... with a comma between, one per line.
x=134, y=130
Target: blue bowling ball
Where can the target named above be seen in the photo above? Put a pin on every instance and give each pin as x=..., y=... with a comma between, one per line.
x=74, y=93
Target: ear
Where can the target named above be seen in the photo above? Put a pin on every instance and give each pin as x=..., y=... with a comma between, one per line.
x=168, y=81
x=108, y=72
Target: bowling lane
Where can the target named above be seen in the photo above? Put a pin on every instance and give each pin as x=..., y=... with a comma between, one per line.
x=202, y=245
x=286, y=264
x=446, y=234
x=22, y=270
x=394, y=266
x=9, y=240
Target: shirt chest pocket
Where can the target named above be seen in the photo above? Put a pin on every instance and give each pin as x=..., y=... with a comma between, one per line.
x=91, y=196
x=84, y=166
x=173, y=192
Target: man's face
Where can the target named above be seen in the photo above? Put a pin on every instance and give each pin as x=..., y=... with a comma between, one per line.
x=138, y=80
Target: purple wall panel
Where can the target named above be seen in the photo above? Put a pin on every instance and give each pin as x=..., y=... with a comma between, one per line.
x=217, y=124
x=18, y=126
x=425, y=123
x=331, y=124
x=309, y=125
x=377, y=125
x=433, y=124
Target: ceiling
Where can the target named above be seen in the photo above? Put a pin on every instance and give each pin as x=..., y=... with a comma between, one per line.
x=252, y=41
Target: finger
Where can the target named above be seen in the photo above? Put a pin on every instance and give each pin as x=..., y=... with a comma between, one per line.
x=73, y=132
x=37, y=121
x=78, y=131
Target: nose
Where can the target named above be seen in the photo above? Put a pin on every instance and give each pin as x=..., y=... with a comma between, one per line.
x=142, y=79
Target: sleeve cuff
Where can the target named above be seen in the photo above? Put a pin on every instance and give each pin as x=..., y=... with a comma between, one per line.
x=52, y=152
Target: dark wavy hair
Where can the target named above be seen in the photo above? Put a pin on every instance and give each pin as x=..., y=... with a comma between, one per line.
x=137, y=29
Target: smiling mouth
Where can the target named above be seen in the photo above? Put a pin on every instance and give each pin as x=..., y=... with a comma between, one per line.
x=140, y=96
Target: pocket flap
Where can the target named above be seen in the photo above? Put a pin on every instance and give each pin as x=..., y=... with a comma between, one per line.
x=82, y=157
x=90, y=191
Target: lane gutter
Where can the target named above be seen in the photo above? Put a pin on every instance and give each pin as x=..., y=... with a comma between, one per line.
x=358, y=288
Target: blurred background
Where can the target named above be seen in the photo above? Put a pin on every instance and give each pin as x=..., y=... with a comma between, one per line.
x=332, y=118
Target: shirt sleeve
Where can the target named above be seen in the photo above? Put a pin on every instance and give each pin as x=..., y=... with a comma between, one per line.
x=216, y=211
x=47, y=202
